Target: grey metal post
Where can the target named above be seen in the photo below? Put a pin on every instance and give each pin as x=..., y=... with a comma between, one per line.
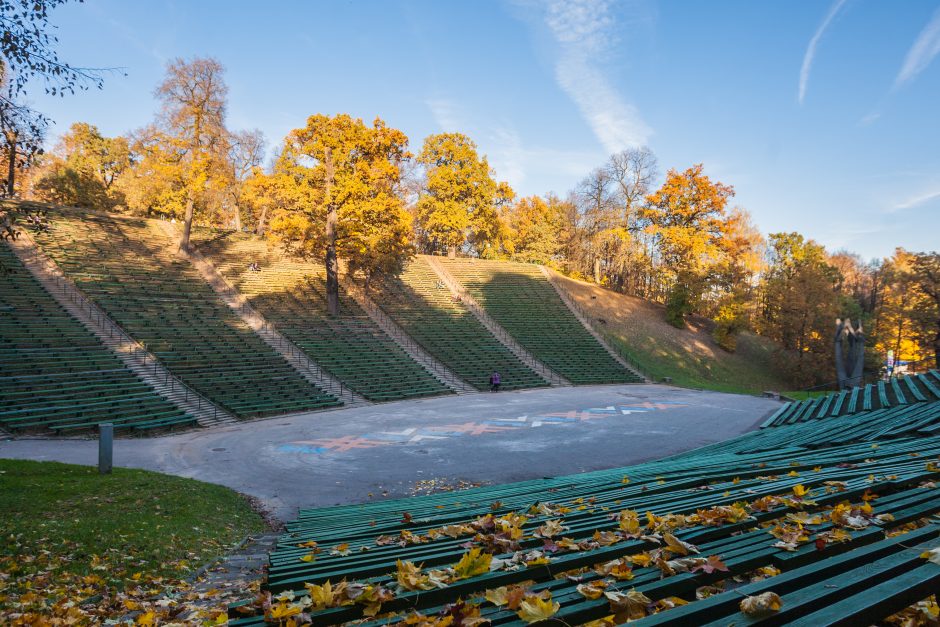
x=105, y=448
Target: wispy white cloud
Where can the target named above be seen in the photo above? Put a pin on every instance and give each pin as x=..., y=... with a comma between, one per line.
x=916, y=201
x=810, y=54
x=583, y=30
x=925, y=48
x=518, y=163
x=869, y=119
x=445, y=113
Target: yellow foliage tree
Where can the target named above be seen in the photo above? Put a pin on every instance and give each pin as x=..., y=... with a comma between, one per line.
x=460, y=201
x=338, y=184
x=535, y=227
x=686, y=218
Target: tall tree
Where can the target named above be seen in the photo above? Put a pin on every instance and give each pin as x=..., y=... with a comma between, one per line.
x=460, y=200
x=344, y=181
x=799, y=305
x=925, y=268
x=22, y=131
x=84, y=169
x=192, y=120
x=686, y=218
x=246, y=152
x=535, y=226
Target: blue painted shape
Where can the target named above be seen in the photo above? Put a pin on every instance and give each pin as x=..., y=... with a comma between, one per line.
x=301, y=448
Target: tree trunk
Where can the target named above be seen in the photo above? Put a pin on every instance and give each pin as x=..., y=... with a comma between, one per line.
x=597, y=270
x=259, y=230
x=451, y=252
x=11, y=166
x=187, y=223
x=237, y=219
x=936, y=347
x=332, y=270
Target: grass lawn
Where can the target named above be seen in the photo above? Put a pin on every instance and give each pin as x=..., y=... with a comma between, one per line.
x=803, y=395
x=689, y=356
x=68, y=534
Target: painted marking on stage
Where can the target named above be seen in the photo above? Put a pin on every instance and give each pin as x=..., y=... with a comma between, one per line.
x=490, y=426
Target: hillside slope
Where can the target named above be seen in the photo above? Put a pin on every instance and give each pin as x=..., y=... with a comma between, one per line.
x=690, y=356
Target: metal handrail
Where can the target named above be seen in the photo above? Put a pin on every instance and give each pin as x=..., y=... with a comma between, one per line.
x=613, y=346
x=401, y=337
x=100, y=316
x=497, y=330
x=328, y=382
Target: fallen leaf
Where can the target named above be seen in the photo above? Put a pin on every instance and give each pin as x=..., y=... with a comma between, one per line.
x=761, y=604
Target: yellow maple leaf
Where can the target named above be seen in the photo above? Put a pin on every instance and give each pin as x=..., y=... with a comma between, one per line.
x=473, y=563
x=535, y=608
x=800, y=491
x=321, y=596
x=629, y=522
x=410, y=577
x=933, y=555
x=150, y=618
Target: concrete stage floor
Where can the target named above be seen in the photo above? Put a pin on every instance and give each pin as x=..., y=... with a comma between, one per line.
x=387, y=450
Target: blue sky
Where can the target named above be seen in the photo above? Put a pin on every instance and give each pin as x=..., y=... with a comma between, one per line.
x=822, y=115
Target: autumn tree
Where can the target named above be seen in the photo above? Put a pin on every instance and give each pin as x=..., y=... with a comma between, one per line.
x=84, y=168
x=925, y=270
x=535, y=226
x=342, y=179
x=460, y=200
x=799, y=305
x=245, y=154
x=686, y=219
x=191, y=127
x=734, y=277
x=22, y=131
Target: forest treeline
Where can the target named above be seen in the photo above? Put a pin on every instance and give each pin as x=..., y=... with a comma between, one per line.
x=341, y=188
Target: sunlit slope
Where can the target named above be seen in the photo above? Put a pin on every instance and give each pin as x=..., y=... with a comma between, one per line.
x=291, y=293
x=689, y=356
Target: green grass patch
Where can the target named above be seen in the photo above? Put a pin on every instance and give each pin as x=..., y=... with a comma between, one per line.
x=802, y=395
x=69, y=520
x=747, y=372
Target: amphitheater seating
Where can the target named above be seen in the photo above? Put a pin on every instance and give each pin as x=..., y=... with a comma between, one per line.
x=127, y=267
x=522, y=301
x=880, y=395
x=423, y=306
x=832, y=516
x=290, y=294
x=55, y=375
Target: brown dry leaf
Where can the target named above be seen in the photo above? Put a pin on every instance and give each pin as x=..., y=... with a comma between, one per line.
x=593, y=590
x=677, y=546
x=628, y=605
x=761, y=604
